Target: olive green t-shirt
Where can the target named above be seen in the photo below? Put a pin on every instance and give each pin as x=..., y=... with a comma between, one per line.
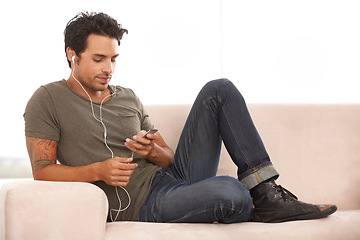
x=57, y=113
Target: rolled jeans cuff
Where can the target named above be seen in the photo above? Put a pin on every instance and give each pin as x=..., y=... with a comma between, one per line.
x=259, y=175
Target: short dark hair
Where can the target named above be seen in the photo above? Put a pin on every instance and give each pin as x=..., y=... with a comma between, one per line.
x=83, y=24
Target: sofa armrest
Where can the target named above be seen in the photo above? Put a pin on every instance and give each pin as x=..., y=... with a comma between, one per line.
x=52, y=210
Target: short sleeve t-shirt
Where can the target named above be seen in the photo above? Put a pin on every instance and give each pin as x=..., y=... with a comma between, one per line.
x=56, y=112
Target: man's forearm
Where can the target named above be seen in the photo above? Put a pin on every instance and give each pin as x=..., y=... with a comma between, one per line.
x=57, y=172
x=43, y=156
x=161, y=156
x=113, y=171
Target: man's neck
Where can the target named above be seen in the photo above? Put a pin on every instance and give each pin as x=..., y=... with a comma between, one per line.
x=96, y=96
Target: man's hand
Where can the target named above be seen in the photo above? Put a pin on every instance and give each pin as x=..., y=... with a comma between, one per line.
x=153, y=147
x=141, y=145
x=116, y=171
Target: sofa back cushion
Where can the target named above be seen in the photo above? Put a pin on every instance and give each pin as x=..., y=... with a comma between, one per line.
x=315, y=148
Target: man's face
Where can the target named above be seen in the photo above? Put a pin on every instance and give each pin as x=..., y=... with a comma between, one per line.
x=96, y=64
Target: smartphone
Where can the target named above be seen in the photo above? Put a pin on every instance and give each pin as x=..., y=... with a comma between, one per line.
x=152, y=131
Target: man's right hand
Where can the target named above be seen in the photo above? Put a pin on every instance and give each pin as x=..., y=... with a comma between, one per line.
x=116, y=171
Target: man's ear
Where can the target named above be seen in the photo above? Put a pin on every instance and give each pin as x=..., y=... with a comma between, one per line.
x=70, y=54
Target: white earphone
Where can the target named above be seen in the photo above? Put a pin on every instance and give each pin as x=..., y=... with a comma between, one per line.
x=117, y=211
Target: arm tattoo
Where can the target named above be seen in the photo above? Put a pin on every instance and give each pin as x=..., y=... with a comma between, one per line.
x=42, y=152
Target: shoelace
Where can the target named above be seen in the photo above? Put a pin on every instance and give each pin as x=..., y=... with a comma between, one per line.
x=285, y=194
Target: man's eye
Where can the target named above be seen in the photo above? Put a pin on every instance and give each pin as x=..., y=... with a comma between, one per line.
x=97, y=60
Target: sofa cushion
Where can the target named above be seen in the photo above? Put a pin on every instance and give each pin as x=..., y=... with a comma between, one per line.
x=48, y=210
x=314, y=147
x=341, y=225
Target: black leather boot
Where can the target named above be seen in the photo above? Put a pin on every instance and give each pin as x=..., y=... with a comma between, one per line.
x=273, y=203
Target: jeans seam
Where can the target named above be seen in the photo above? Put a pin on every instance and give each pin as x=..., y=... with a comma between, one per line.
x=236, y=140
x=170, y=175
x=232, y=131
x=201, y=212
x=187, y=178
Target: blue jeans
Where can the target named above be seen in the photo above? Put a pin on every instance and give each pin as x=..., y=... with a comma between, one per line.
x=189, y=191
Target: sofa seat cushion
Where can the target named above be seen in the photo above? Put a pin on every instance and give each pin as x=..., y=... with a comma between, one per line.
x=341, y=225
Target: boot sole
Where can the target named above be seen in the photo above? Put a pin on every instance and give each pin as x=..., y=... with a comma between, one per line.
x=310, y=216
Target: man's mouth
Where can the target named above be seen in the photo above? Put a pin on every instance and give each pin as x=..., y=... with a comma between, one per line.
x=104, y=79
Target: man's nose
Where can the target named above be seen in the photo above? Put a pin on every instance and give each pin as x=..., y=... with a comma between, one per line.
x=108, y=67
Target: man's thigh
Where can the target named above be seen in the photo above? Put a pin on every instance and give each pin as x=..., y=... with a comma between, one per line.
x=221, y=198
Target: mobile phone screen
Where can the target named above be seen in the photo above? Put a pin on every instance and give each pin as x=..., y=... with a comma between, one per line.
x=152, y=131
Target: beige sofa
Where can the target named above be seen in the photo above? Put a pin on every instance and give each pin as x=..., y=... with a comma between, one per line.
x=316, y=149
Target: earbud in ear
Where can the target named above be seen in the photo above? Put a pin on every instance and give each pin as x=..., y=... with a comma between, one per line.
x=73, y=59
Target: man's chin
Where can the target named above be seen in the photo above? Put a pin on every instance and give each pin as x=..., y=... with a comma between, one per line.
x=102, y=86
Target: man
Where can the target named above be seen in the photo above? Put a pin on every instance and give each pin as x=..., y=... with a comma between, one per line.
x=96, y=131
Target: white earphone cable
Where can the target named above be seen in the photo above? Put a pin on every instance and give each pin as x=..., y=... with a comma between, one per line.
x=105, y=141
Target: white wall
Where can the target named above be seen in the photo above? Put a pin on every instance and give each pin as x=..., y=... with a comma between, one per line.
x=304, y=51
x=274, y=51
